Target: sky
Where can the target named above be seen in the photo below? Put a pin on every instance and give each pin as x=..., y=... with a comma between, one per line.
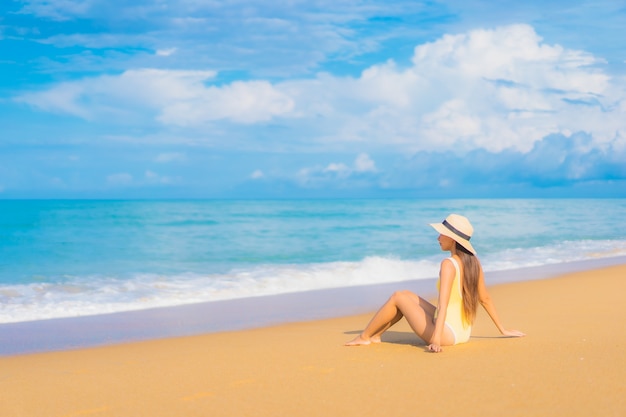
x=312, y=99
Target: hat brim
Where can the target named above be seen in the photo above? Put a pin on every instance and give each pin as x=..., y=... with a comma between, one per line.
x=447, y=232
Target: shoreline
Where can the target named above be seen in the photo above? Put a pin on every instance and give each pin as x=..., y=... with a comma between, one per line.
x=240, y=314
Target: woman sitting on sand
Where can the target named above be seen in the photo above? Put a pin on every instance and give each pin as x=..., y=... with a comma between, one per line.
x=461, y=287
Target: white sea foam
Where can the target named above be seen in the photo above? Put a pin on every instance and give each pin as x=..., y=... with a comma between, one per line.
x=79, y=296
x=91, y=295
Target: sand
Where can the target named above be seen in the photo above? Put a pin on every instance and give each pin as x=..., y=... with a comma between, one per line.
x=571, y=363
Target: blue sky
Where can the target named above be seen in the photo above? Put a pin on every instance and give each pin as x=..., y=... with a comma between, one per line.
x=279, y=99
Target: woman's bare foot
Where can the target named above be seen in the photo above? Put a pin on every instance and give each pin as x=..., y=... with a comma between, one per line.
x=358, y=341
x=375, y=339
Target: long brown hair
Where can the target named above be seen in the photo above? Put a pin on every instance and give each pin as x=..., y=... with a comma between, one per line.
x=471, y=274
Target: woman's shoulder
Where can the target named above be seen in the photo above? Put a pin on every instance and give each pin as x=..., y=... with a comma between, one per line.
x=454, y=260
x=450, y=262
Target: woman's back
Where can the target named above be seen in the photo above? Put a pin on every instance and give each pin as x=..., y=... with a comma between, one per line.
x=455, y=317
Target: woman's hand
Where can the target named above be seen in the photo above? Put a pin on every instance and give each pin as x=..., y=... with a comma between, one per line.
x=513, y=333
x=434, y=347
x=435, y=344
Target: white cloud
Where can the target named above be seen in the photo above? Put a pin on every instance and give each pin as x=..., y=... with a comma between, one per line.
x=363, y=163
x=152, y=177
x=338, y=168
x=314, y=176
x=99, y=97
x=178, y=97
x=503, y=88
x=278, y=37
x=492, y=89
x=165, y=52
x=258, y=174
x=243, y=102
x=57, y=9
x=59, y=99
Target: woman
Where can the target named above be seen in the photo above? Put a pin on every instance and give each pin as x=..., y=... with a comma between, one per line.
x=461, y=287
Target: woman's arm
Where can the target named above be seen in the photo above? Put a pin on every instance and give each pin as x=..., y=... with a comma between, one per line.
x=447, y=273
x=490, y=308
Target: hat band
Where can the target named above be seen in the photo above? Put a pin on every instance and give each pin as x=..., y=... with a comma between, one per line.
x=456, y=231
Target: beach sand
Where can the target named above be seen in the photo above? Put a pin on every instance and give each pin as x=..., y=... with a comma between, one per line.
x=572, y=363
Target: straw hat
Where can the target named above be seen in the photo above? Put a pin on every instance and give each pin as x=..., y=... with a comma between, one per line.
x=458, y=228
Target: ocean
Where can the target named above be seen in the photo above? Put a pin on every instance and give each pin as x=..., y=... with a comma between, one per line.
x=70, y=258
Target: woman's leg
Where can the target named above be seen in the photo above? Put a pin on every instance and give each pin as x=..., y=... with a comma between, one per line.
x=418, y=312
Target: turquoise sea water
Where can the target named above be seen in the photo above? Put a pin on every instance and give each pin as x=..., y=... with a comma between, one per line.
x=72, y=258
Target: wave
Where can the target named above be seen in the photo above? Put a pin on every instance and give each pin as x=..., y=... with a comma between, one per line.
x=72, y=296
